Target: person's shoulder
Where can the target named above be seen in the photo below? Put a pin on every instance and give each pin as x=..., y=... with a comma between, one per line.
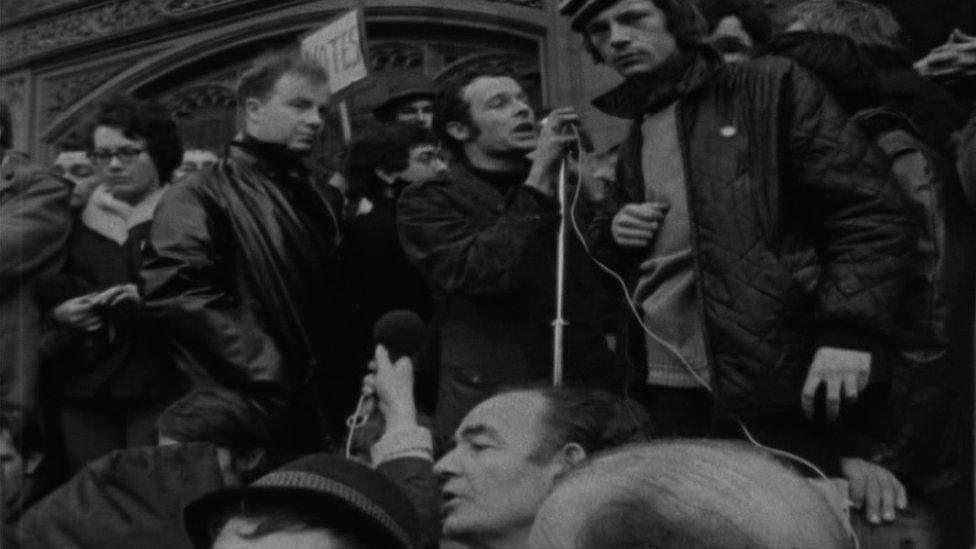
x=767, y=66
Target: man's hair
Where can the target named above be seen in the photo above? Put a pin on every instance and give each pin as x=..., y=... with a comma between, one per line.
x=684, y=22
x=264, y=73
x=147, y=120
x=72, y=142
x=451, y=106
x=270, y=519
x=219, y=416
x=23, y=429
x=753, y=16
x=6, y=127
x=386, y=147
x=594, y=419
x=675, y=494
x=866, y=24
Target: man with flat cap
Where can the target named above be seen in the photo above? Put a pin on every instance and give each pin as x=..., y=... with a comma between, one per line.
x=410, y=99
x=319, y=501
x=763, y=241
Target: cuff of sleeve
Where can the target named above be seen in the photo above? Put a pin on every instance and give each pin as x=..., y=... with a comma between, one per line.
x=410, y=442
x=852, y=339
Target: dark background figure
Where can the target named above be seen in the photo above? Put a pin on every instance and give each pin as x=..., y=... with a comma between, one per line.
x=35, y=219
x=484, y=237
x=876, y=31
x=24, y=476
x=899, y=423
x=375, y=274
x=109, y=370
x=72, y=164
x=739, y=29
x=409, y=99
x=240, y=269
x=194, y=160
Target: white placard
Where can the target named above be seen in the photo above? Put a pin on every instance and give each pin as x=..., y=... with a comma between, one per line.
x=339, y=47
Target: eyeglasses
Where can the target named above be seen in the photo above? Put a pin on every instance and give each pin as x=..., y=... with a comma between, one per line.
x=126, y=155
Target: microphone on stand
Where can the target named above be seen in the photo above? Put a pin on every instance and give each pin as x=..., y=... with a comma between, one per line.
x=401, y=333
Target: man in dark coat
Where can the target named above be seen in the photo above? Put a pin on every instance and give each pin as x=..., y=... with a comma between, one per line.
x=34, y=224
x=485, y=239
x=241, y=261
x=762, y=237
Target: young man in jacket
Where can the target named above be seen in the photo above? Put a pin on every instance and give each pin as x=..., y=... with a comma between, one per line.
x=764, y=243
x=241, y=261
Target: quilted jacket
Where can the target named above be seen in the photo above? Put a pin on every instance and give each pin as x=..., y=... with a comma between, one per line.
x=800, y=237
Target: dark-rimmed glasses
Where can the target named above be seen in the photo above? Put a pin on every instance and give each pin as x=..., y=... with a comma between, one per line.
x=126, y=155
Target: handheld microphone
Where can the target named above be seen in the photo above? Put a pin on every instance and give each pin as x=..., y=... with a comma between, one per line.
x=401, y=333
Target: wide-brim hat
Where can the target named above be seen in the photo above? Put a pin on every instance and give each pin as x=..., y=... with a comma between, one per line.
x=357, y=499
x=581, y=11
x=402, y=89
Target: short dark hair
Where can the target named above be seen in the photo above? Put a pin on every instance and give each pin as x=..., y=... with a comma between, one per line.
x=265, y=72
x=594, y=419
x=387, y=147
x=219, y=416
x=684, y=22
x=6, y=126
x=271, y=519
x=74, y=141
x=147, y=120
x=754, y=18
x=23, y=429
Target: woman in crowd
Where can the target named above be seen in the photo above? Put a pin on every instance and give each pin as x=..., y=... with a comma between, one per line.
x=109, y=377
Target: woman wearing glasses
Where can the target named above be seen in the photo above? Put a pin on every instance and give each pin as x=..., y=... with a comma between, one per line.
x=108, y=370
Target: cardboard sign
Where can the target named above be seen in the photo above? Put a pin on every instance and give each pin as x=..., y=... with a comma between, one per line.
x=339, y=46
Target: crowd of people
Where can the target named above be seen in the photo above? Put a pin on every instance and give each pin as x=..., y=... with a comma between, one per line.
x=761, y=333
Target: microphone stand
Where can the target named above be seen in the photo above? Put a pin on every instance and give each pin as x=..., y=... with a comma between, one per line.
x=559, y=324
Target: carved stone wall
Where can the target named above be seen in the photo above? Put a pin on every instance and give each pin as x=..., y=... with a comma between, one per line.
x=15, y=90
x=60, y=92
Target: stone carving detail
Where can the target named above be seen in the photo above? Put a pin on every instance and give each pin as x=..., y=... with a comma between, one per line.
x=393, y=56
x=523, y=3
x=63, y=91
x=98, y=21
x=202, y=96
x=519, y=67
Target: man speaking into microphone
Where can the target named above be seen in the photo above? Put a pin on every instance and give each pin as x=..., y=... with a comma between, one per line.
x=485, y=239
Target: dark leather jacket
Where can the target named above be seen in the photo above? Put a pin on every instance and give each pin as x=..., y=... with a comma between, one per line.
x=800, y=237
x=238, y=272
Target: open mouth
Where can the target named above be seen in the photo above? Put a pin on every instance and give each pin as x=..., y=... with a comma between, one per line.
x=525, y=128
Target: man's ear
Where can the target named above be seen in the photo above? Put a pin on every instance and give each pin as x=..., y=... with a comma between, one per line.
x=252, y=108
x=250, y=460
x=458, y=130
x=33, y=462
x=385, y=175
x=568, y=457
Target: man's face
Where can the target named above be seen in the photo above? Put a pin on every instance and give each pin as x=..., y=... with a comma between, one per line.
x=424, y=164
x=77, y=168
x=292, y=115
x=418, y=111
x=12, y=468
x=491, y=488
x=194, y=160
x=632, y=37
x=126, y=169
x=501, y=113
x=233, y=536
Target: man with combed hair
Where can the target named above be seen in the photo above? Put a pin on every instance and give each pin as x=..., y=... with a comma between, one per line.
x=240, y=265
x=509, y=451
x=678, y=494
x=764, y=244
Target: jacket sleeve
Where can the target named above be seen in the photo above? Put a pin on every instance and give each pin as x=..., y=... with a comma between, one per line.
x=460, y=257
x=190, y=290
x=34, y=225
x=863, y=234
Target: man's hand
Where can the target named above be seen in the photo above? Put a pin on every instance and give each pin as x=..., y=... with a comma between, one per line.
x=635, y=225
x=555, y=137
x=874, y=489
x=79, y=313
x=117, y=294
x=837, y=369
x=392, y=385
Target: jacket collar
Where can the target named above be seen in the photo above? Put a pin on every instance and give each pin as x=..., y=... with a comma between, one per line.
x=113, y=218
x=682, y=74
x=271, y=158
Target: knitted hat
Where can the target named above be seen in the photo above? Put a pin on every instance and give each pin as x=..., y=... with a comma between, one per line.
x=402, y=89
x=357, y=499
x=581, y=11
